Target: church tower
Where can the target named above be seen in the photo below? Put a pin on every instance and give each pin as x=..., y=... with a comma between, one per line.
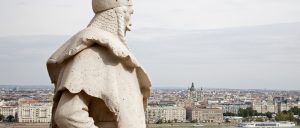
x=192, y=94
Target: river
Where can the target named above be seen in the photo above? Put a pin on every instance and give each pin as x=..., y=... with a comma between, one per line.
x=192, y=126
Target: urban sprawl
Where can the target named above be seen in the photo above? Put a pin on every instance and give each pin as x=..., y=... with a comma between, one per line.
x=193, y=105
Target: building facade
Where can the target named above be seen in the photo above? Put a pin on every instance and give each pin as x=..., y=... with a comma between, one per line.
x=286, y=105
x=34, y=112
x=165, y=114
x=8, y=110
x=195, y=95
x=234, y=107
x=264, y=106
x=205, y=115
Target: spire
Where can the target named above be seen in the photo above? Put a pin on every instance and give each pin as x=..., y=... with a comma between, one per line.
x=192, y=87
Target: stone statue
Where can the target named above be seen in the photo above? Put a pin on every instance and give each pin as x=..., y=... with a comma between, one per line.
x=98, y=82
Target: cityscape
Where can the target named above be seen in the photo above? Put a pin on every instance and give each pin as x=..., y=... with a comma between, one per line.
x=184, y=64
x=29, y=106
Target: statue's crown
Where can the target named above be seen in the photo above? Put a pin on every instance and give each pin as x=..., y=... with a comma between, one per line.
x=101, y=5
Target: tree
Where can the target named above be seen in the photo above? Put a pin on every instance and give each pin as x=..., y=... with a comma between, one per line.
x=279, y=116
x=160, y=121
x=175, y=120
x=269, y=115
x=1, y=117
x=290, y=116
x=295, y=110
x=247, y=112
x=194, y=121
x=10, y=118
x=260, y=114
x=285, y=116
x=229, y=114
x=242, y=113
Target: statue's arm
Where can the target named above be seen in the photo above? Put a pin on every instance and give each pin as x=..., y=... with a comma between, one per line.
x=72, y=111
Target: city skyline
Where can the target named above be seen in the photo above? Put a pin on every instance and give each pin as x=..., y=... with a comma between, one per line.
x=231, y=44
x=210, y=107
x=180, y=87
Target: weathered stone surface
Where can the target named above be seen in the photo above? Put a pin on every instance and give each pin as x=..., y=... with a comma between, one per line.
x=98, y=82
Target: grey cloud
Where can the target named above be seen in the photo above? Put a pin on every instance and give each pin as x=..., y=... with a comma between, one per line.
x=23, y=58
x=251, y=57
x=261, y=56
x=68, y=16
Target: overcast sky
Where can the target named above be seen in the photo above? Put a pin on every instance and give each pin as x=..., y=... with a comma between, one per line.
x=214, y=43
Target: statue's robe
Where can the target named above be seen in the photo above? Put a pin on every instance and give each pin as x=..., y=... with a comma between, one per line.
x=97, y=63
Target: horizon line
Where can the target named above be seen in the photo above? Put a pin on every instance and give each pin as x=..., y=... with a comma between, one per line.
x=161, y=87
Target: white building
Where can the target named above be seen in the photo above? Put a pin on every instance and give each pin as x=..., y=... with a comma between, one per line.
x=205, y=115
x=165, y=114
x=264, y=106
x=8, y=110
x=34, y=112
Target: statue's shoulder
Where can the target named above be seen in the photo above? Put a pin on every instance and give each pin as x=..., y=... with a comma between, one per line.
x=96, y=54
x=78, y=42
